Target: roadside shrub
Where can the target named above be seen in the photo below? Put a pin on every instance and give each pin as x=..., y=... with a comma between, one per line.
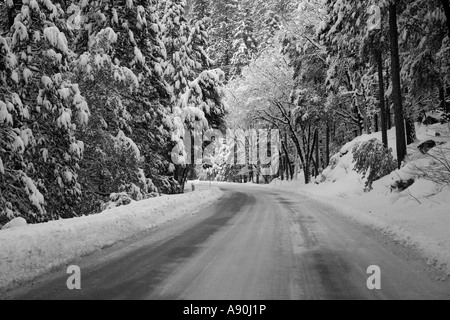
x=117, y=200
x=373, y=160
x=437, y=169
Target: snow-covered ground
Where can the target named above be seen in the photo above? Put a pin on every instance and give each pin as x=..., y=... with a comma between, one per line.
x=418, y=216
x=30, y=250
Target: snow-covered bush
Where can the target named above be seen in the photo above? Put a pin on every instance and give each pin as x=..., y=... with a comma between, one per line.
x=117, y=200
x=114, y=166
x=130, y=192
x=373, y=160
x=436, y=167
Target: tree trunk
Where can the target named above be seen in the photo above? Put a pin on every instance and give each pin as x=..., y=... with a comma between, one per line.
x=446, y=5
x=307, y=172
x=396, y=85
x=388, y=115
x=381, y=97
x=185, y=178
x=376, y=127
x=327, y=147
x=410, y=131
x=304, y=158
x=360, y=124
x=317, y=162
x=444, y=105
x=287, y=159
x=387, y=102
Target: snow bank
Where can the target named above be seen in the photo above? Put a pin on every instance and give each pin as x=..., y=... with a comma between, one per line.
x=29, y=251
x=15, y=223
x=418, y=216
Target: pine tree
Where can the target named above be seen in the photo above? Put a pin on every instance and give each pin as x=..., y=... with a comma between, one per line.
x=137, y=102
x=197, y=43
x=446, y=6
x=244, y=44
x=396, y=84
x=178, y=68
x=343, y=39
x=224, y=23
x=183, y=69
x=422, y=30
x=40, y=113
x=200, y=10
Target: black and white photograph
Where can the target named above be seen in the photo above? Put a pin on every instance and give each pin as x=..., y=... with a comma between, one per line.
x=220, y=156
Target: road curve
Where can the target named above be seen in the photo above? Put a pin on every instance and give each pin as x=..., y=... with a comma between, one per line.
x=254, y=244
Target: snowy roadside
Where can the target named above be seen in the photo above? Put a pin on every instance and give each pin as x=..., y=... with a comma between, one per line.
x=418, y=217
x=29, y=251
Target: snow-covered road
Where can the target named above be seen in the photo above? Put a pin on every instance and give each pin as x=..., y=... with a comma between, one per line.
x=256, y=243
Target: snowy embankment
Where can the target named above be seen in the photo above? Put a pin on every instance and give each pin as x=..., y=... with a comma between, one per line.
x=418, y=216
x=29, y=251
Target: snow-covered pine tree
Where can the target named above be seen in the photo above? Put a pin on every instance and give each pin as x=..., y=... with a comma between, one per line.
x=195, y=90
x=224, y=21
x=244, y=44
x=373, y=161
x=178, y=68
x=198, y=42
x=205, y=94
x=425, y=68
x=200, y=9
x=271, y=25
x=40, y=111
x=131, y=84
x=342, y=34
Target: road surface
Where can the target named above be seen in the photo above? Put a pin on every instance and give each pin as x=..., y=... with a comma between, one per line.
x=254, y=244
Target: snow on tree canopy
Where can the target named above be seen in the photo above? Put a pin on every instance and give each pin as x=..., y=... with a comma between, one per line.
x=20, y=33
x=27, y=74
x=61, y=61
x=5, y=116
x=18, y=145
x=193, y=96
x=51, y=7
x=64, y=121
x=36, y=198
x=68, y=176
x=122, y=141
x=138, y=56
x=107, y=35
x=56, y=38
x=44, y=153
x=53, y=55
x=26, y=136
x=47, y=82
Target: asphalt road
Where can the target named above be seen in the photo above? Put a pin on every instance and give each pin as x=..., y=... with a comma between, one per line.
x=254, y=244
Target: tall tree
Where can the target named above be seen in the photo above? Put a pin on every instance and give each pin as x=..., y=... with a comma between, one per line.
x=446, y=6
x=396, y=85
x=244, y=44
x=224, y=22
x=40, y=111
x=127, y=92
x=381, y=97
